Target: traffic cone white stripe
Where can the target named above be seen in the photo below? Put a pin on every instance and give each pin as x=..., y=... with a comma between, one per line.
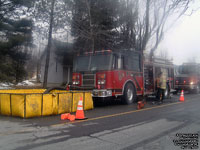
x=80, y=108
x=181, y=96
x=80, y=103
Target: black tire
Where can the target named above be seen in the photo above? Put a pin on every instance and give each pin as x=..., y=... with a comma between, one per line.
x=129, y=95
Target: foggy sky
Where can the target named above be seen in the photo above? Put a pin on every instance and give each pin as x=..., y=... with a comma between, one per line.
x=182, y=41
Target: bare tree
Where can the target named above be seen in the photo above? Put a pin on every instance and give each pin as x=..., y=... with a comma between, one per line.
x=151, y=27
x=136, y=24
x=91, y=36
x=49, y=44
x=50, y=18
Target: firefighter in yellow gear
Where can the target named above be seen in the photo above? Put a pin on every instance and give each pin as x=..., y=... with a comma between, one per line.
x=161, y=86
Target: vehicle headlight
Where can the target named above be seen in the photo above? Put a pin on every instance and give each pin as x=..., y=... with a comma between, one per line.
x=101, y=81
x=191, y=83
x=109, y=92
x=75, y=82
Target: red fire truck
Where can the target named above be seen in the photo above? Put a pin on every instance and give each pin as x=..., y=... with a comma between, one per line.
x=188, y=77
x=119, y=73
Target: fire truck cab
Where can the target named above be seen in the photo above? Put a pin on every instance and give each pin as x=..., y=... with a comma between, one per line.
x=118, y=73
x=188, y=77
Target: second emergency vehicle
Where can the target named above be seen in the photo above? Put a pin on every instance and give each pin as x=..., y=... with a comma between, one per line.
x=188, y=77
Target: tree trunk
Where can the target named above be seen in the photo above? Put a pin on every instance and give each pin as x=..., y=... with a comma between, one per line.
x=38, y=65
x=146, y=36
x=91, y=27
x=49, y=44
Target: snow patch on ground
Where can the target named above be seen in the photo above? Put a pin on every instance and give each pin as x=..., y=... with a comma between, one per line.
x=26, y=82
x=10, y=85
x=6, y=85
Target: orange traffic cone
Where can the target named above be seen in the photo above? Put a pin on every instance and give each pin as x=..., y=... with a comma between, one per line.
x=182, y=96
x=64, y=116
x=79, y=111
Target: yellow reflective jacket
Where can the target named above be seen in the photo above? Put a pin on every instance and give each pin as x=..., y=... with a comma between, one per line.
x=163, y=81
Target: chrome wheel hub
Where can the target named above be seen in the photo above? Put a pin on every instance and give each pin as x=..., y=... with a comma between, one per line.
x=129, y=94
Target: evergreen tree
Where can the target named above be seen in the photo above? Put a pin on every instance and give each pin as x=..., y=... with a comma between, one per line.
x=15, y=38
x=94, y=24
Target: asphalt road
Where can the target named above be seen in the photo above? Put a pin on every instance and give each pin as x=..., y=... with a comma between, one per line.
x=113, y=126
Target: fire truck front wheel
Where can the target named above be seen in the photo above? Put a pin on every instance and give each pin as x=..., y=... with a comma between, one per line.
x=129, y=94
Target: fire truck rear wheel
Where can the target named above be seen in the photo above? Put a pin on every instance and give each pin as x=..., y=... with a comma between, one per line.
x=129, y=95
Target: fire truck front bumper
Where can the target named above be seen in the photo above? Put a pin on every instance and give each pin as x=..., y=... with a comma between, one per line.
x=185, y=87
x=101, y=93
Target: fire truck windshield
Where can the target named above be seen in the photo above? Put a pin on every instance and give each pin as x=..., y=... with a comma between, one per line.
x=93, y=63
x=187, y=69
